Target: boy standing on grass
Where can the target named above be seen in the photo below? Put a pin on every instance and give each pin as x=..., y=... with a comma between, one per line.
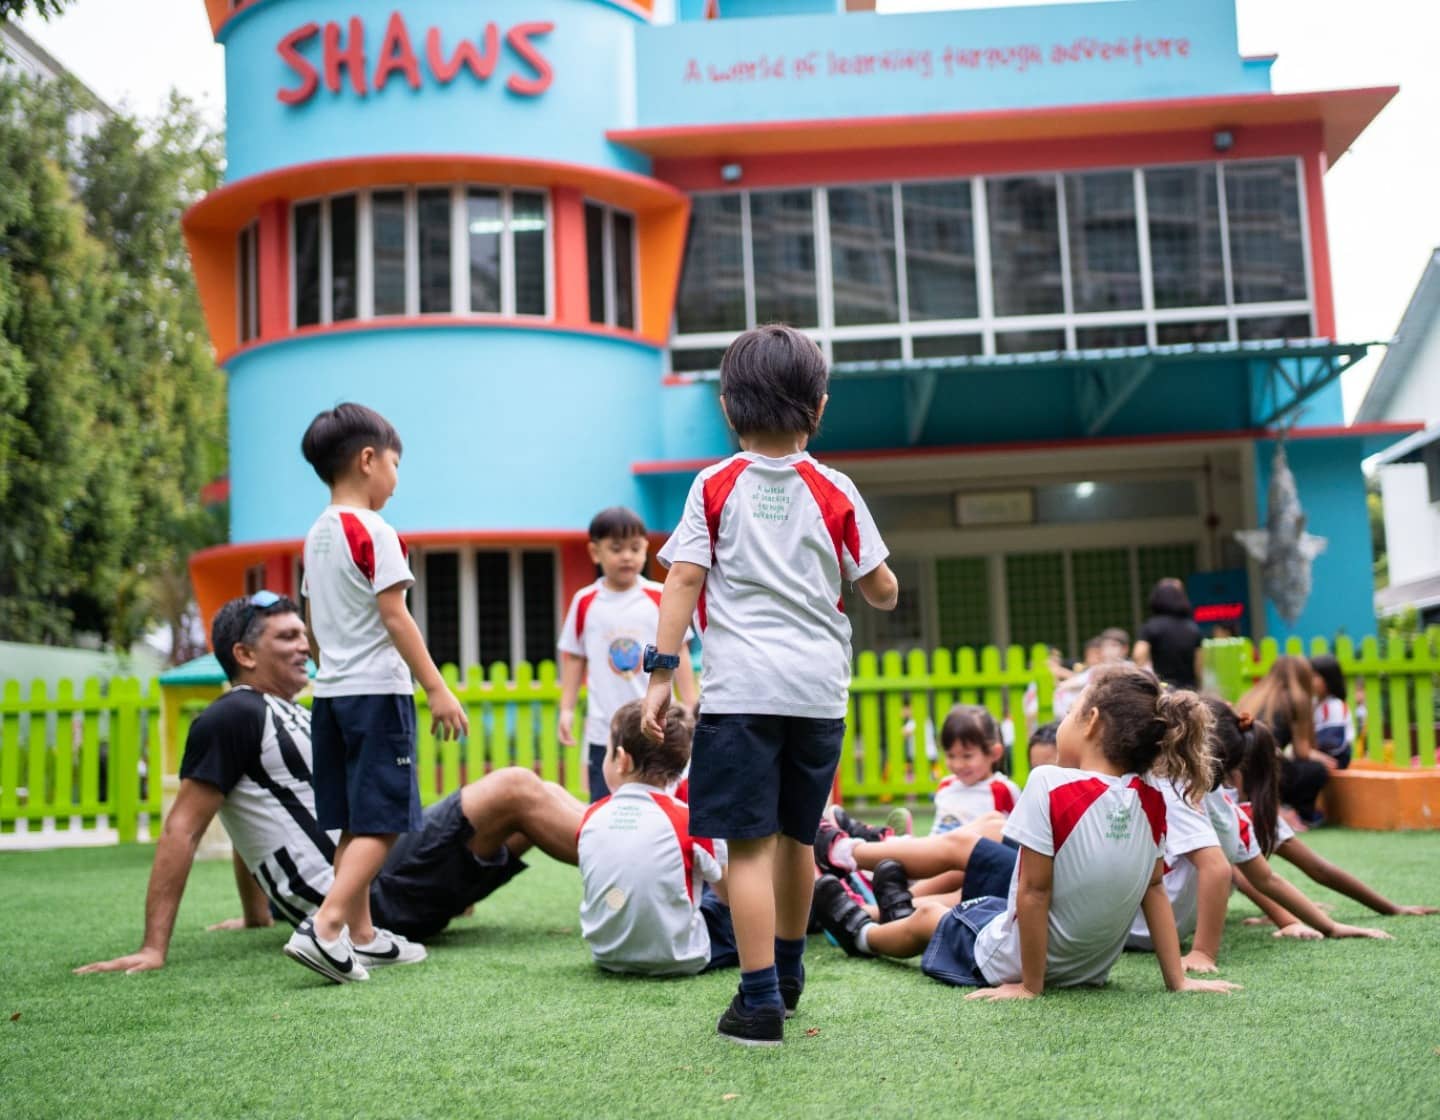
x=605, y=630
x=363, y=719
x=767, y=540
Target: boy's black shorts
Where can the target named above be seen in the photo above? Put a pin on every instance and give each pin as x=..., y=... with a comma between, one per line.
x=363, y=750
x=754, y=776
x=990, y=868
x=431, y=876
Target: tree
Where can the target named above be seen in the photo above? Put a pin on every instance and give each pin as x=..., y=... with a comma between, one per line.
x=45, y=9
x=111, y=407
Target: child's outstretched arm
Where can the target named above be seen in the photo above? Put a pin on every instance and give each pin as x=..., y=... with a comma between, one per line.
x=1284, y=921
x=1160, y=918
x=448, y=718
x=1212, y=871
x=1325, y=873
x=1264, y=879
x=683, y=584
x=1032, y=912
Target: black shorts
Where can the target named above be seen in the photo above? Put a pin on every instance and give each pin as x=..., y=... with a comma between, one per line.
x=989, y=870
x=431, y=876
x=950, y=956
x=723, y=951
x=754, y=776
x=363, y=750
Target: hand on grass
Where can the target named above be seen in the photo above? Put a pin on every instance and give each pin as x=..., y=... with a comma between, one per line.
x=1198, y=962
x=1300, y=931
x=1004, y=991
x=1260, y=921
x=1224, y=987
x=1417, y=911
x=238, y=923
x=1342, y=930
x=565, y=731
x=447, y=717
x=657, y=703
x=146, y=960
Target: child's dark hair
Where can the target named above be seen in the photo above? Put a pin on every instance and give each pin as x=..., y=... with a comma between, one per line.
x=656, y=764
x=616, y=523
x=1045, y=734
x=1329, y=671
x=971, y=725
x=240, y=622
x=1147, y=727
x=337, y=435
x=773, y=379
x=1168, y=597
x=1243, y=744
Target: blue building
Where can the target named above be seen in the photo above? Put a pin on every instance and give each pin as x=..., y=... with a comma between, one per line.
x=1069, y=263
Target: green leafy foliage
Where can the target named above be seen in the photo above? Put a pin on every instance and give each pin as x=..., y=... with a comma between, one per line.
x=45, y=9
x=111, y=407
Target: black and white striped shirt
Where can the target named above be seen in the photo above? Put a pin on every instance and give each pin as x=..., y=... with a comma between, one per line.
x=255, y=748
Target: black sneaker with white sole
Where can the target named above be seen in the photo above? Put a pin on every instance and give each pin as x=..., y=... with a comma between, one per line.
x=892, y=891
x=336, y=963
x=840, y=915
x=752, y=1026
x=791, y=988
x=858, y=829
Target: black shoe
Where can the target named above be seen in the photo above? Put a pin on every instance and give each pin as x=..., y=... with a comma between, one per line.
x=791, y=988
x=757, y=1026
x=842, y=918
x=892, y=891
x=824, y=840
x=858, y=829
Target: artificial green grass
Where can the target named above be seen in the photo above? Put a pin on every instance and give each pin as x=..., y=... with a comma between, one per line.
x=509, y=1019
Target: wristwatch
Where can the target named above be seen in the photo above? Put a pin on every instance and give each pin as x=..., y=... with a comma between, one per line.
x=654, y=659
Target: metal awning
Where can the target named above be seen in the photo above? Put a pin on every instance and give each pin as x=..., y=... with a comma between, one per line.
x=1284, y=374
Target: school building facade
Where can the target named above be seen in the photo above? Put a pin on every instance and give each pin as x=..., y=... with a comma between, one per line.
x=1069, y=263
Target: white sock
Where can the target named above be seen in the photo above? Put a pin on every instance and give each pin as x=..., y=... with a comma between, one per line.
x=862, y=939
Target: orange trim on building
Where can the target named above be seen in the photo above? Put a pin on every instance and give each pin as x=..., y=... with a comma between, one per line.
x=572, y=258
x=212, y=224
x=222, y=11
x=1342, y=114
x=1322, y=288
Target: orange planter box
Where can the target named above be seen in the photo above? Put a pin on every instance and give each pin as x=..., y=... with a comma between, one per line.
x=1383, y=798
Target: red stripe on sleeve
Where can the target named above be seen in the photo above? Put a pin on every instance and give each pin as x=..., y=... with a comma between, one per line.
x=1068, y=803
x=717, y=490
x=680, y=821
x=362, y=548
x=589, y=812
x=582, y=608
x=1153, y=802
x=838, y=513
x=1004, y=799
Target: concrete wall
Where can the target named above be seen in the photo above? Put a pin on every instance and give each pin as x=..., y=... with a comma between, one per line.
x=1412, y=523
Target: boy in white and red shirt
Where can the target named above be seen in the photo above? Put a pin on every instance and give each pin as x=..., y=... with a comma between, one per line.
x=767, y=543
x=363, y=719
x=648, y=904
x=972, y=744
x=606, y=628
x=1082, y=851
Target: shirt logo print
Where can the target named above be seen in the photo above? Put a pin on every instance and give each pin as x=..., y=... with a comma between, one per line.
x=1121, y=824
x=770, y=502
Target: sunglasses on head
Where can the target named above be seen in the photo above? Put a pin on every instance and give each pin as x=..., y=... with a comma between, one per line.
x=260, y=601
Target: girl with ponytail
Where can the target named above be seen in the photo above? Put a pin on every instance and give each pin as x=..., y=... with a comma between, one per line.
x=1051, y=904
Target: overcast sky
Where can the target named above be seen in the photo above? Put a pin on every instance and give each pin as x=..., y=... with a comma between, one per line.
x=1381, y=198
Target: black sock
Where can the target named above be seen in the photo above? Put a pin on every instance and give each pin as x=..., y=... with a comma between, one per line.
x=761, y=988
x=790, y=958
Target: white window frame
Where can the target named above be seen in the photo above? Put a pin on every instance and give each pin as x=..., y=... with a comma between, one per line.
x=987, y=324
x=459, y=254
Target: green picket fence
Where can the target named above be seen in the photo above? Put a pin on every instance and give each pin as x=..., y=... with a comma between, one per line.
x=1397, y=682
x=68, y=760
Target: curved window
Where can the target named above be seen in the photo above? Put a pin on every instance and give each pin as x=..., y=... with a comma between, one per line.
x=443, y=249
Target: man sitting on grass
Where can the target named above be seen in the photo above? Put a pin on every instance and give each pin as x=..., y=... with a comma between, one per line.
x=247, y=758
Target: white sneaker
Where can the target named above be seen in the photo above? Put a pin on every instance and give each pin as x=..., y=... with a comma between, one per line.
x=389, y=948
x=335, y=961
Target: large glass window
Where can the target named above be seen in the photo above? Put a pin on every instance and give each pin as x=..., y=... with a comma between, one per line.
x=431, y=250
x=1104, y=241
x=610, y=262
x=940, y=250
x=247, y=283
x=782, y=238
x=1010, y=264
x=1187, y=259
x=1025, y=246
x=862, y=255
x=1267, y=253
x=442, y=606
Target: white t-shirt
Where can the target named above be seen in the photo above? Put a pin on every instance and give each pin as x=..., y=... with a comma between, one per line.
x=778, y=537
x=1232, y=827
x=1188, y=829
x=611, y=629
x=1105, y=834
x=1334, y=730
x=957, y=804
x=351, y=555
x=1283, y=831
x=641, y=873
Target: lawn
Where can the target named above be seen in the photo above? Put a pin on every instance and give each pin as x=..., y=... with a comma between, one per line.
x=508, y=1019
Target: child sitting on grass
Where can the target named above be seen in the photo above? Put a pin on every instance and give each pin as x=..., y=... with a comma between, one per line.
x=1334, y=729
x=1090, y=834
x=648, y=906
x=971, y=741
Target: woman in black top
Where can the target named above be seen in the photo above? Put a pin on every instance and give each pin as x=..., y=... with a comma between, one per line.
x=1170, y=641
